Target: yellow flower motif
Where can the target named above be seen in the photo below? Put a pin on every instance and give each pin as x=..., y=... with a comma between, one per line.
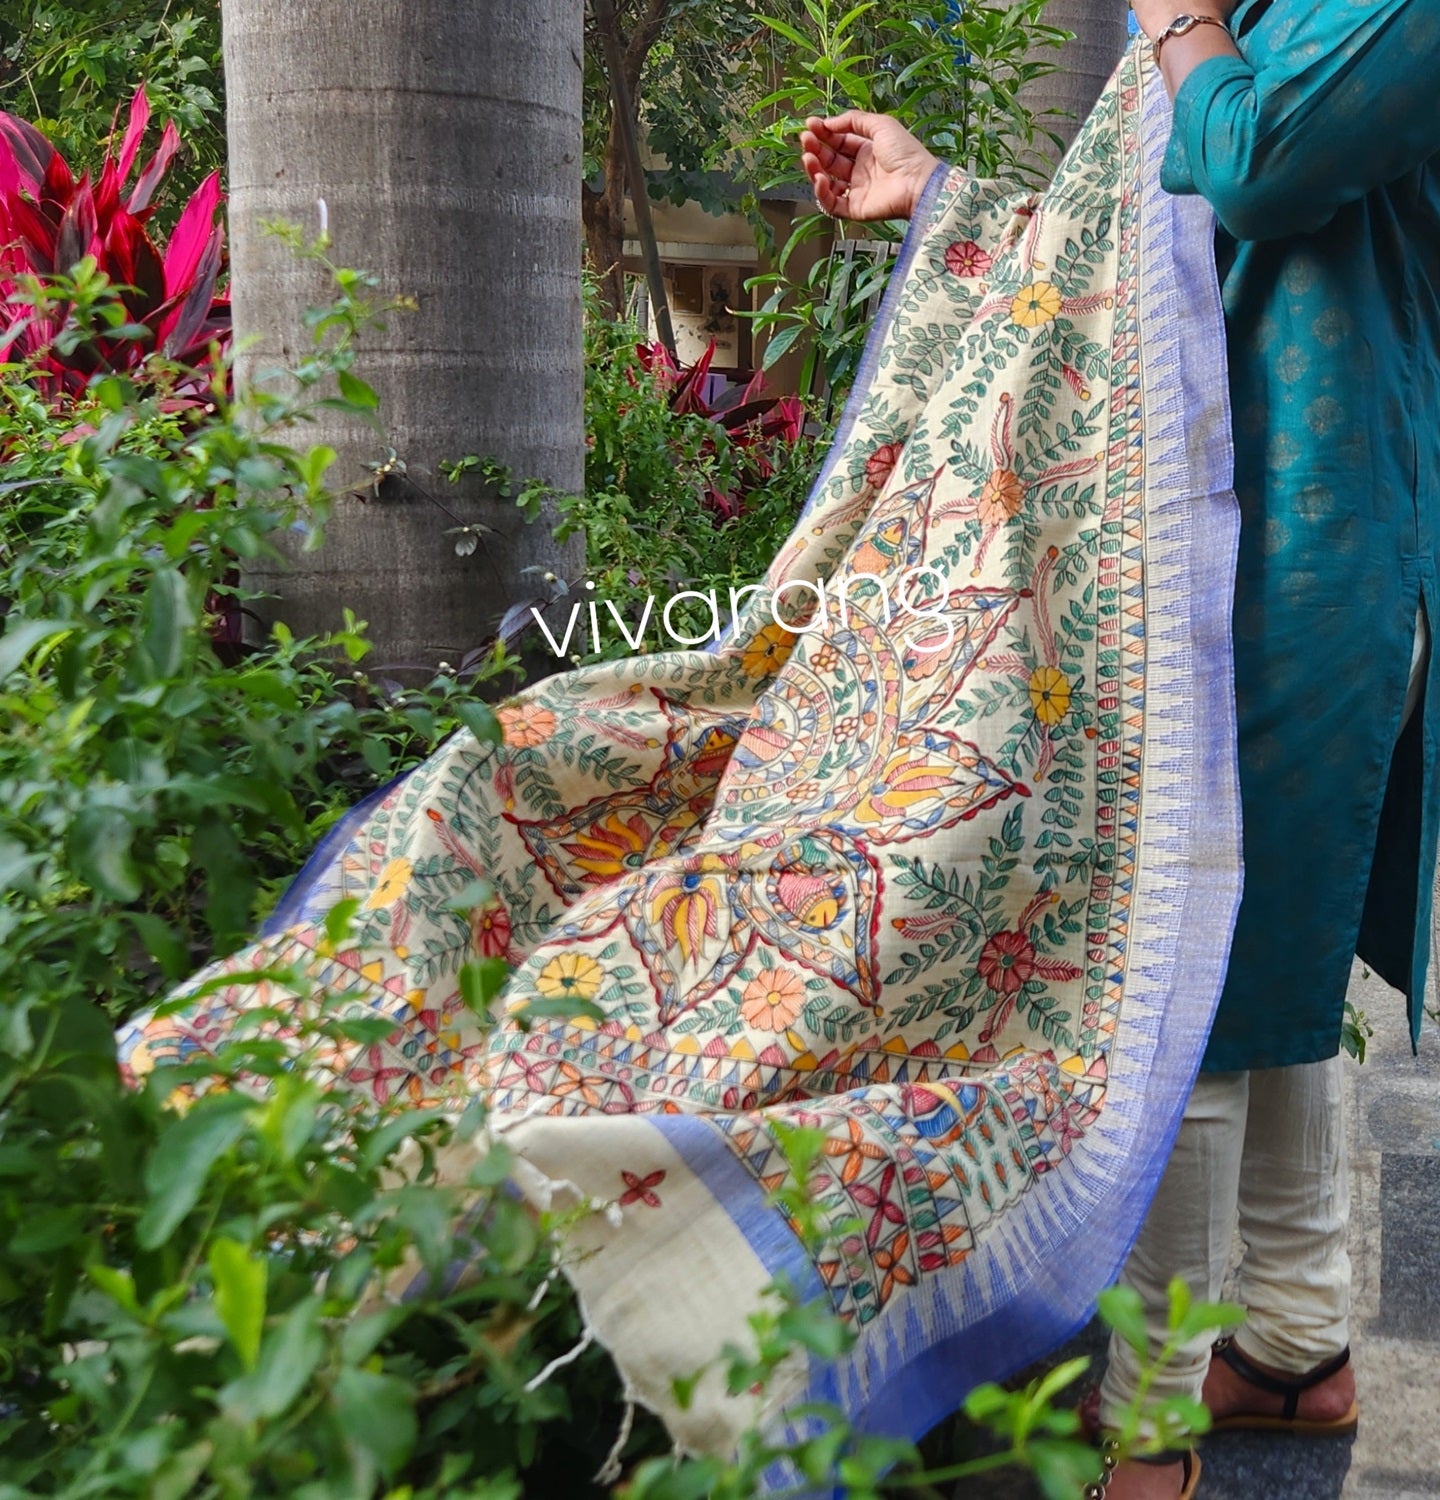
x=394, y=881
x=769, y=651
x=1035, y=304
x=1049, y=694
x=569, y=976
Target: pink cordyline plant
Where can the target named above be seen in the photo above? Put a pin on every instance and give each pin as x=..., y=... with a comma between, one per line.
x=49, y=223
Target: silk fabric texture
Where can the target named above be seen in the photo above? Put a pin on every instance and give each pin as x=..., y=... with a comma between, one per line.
x=959, y=900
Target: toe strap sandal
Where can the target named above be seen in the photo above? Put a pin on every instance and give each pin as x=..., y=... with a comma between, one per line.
x=1189, y=1482
x=1291, y=1388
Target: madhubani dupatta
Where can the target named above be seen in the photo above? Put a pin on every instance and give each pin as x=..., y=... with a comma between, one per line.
x=963, y=905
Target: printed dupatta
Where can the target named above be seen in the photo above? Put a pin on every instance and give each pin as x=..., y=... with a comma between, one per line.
x=944, y=866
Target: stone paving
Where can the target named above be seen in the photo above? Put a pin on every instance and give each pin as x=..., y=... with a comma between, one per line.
x=1394, y=1121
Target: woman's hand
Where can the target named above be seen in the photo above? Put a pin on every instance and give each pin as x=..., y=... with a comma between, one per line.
x=1154, y=16
x=864, y=166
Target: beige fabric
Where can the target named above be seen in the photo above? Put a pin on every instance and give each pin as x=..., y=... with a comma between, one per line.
x=1269, y=1148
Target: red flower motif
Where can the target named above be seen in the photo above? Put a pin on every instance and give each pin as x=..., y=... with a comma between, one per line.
x=491, y=925
x=641, y=1189
x=881, y=462
x=1006, y=962
x=966, y=258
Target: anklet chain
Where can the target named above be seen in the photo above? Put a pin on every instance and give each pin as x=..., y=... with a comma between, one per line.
x=1108, y=1461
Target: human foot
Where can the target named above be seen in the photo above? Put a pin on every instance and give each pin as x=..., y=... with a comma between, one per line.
x=1241, y=1392
x=1137, y=1481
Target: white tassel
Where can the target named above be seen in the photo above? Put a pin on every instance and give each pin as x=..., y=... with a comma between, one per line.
x=609, y=1471
x=536, y=1381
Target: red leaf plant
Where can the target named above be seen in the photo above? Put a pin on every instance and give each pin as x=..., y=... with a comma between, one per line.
x=49, y=222
x=752, y=420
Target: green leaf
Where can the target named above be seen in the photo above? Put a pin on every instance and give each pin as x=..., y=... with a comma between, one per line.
x=1121, y=1309
x=376, y=1413
x=166, y=619
x=48, y=1230
x=356, y=391
x=568, y=1007
x=162, y=942
x=289, y=1356
x=1180, y=1300
x=181, y=1160
x=21, y=639
x=239, y=1280
x=178, y=1476
x=339, y=920
x=779, y=344
x=481, y=980
x=100, y=845
x=481, y=722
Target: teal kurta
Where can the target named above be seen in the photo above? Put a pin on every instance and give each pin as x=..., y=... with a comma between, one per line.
x=1317, y=149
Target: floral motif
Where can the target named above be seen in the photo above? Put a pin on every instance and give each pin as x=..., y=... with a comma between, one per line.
x=490, y=927
x=1006, y=962
x=1001, y=497
x=570, y=976
x=1049, y=694
x=881, y=464
x=1035, y=304
x=610, y=846
x=1003, y=490
x=526, y=725
x=768, y=652
x=773, y=1000
x=966, y=258
x=393, y=883
x=641, y=1189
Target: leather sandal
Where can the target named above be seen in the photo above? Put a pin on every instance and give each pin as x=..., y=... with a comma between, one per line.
x=1291, y=1388
x=1189, y=1479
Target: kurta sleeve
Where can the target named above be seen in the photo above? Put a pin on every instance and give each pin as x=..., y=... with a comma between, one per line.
x=1348, y=100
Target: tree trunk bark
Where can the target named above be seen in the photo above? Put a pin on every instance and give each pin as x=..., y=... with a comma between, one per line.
x=604, y=212
x=445, y=142
x=1061, y=100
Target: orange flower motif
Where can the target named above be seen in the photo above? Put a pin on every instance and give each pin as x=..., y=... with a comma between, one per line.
x=769, y=651
x=1001, y=498
x=527, y=726
x=773, y=1000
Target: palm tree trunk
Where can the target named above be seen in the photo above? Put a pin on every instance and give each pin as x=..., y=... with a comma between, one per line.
x=445, y=141
x=1061, y=100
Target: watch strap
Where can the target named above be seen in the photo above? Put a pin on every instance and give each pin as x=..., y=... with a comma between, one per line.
x=1180, y=25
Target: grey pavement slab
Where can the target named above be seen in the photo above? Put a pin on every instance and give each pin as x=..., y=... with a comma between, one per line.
x=1394, y=1120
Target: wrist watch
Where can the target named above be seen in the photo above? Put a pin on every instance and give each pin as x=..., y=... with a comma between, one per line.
x=1179, y=26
